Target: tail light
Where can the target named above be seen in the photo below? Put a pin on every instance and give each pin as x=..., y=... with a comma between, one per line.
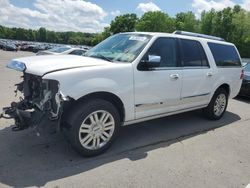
x=242, y=74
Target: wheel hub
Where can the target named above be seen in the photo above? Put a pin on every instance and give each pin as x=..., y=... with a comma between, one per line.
x=220, y=104
x=96, y=130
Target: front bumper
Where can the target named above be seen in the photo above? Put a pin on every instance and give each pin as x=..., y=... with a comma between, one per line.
x=41, y=101
x=24, y=118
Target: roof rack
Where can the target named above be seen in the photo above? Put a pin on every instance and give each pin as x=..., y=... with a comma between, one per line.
x=198, y=35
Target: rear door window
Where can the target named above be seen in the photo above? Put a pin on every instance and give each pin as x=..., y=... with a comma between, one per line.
x=193, y=54
x=224, y=55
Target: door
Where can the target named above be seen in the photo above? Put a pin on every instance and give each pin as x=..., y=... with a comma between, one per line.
x=197, y=74
x=158, y=89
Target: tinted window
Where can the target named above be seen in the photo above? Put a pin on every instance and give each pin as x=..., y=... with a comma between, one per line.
x=224, y=55
x=193, y=54
x=166, y=49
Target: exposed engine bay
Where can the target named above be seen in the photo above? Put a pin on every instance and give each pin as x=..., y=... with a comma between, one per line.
x=41, y=102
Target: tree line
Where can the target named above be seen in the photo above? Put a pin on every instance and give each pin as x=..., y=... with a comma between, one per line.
x=232, y=24
x=44, y=35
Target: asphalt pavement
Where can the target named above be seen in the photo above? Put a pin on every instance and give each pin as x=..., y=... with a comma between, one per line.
x=184, y=150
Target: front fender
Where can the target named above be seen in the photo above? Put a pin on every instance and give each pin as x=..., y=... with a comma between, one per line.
x=80, y=82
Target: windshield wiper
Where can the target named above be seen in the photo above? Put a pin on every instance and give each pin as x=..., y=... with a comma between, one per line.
x=100, y=56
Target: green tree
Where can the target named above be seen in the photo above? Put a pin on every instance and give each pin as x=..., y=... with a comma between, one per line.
x=206, y=23
x=155, y=22
x=2, y=32
x=222, y=23
x=123, y=23
x=240, y=35
x=186, y=22
x=42, y=34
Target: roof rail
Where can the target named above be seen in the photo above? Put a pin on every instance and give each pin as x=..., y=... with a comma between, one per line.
x=198, y=35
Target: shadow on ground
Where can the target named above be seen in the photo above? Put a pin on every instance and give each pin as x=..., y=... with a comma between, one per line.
x=27, y=160
x=243, y=99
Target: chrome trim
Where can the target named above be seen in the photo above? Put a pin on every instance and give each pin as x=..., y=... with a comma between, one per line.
x=166, y=68
x=161, y=103
x=200, y=95
x=196, y=67
x=155, y=105
x=179, y=68
x=238, y=66
x=162, y=115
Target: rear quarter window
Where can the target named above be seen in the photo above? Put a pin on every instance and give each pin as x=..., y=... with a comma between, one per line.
x=225, y=55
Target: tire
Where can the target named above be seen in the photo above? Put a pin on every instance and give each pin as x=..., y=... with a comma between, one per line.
x=96, y=136
x=215, y=109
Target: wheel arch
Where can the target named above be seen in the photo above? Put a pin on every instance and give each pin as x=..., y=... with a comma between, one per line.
x=110, y=97
x=226, y=87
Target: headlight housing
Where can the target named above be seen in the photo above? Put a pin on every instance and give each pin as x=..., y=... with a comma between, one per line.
x=16, y=65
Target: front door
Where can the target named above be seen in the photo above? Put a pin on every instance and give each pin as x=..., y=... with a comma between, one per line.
x=158, y=89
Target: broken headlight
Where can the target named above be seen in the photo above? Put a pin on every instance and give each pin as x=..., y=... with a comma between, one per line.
x=16, y=65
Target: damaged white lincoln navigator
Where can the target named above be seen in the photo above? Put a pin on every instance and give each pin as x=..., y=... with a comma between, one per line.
x=128, y=78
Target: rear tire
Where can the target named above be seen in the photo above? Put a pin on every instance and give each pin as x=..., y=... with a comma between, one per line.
x=92, y=126
x=217, y=106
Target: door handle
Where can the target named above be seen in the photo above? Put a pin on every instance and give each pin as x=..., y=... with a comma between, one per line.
x=209, y=74
x=174, y=76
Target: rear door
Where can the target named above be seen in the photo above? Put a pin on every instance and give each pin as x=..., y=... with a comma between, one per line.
x=197, y=74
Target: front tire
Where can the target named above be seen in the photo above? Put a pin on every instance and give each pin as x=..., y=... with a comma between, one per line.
x=93, y=126
x=217, y=106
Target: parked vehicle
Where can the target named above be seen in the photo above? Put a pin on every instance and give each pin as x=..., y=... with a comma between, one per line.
x=40, y=47
x=245, y=87
x=28, y=47
x=10, y=47
x=62, y=51
x=2, y=44
x=245, y=61
x=128, y=78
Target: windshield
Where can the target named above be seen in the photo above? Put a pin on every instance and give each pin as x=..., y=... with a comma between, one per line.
x=59, y=49
x=120, y=47
x=247, y=67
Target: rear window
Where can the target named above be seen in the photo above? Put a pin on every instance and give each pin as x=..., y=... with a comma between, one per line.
x=224, y=55
x=193, y=54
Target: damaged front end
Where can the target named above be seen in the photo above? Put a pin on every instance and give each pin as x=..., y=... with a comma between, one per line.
x=41, y=103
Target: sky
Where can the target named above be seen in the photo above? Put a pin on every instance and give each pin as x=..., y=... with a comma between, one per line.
x=93, y=15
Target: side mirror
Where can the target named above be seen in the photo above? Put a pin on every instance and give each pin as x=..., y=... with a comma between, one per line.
x=153, y=61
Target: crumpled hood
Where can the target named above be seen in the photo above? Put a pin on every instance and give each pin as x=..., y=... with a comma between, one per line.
x=40, y=65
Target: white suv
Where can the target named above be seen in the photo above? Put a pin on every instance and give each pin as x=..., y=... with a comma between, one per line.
x=128, y=78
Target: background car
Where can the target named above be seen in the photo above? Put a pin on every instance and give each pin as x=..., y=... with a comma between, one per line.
x=245, y=61
x=245, y=88
x=63, y=51
x=10, y=47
